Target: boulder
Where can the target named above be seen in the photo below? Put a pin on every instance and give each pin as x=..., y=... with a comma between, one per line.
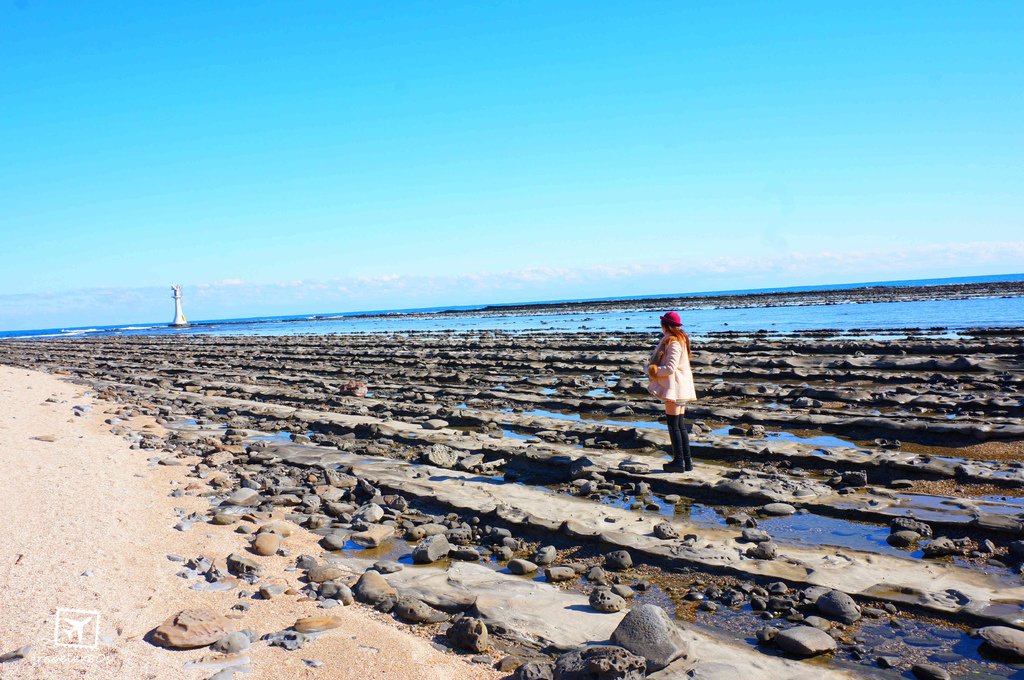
x=468, y=634
x=778, y=509
x=319, y=573
x=618, y=560
x=763, y=551
x=665, y=531
x=190, y=628
x=441, y=456
x=903, y=538
x=839, y=606
x=374, y=535
x=1005, y=642
x=648, y=631
x=805, y=641
x=604, y=600
x=559, y=574
x=412, y=610
x=371, y=588
x=239, y=565
x=431, y=549
x=266, y=544
x=521, y=567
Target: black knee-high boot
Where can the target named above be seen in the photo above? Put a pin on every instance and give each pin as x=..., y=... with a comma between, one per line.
x=677, y=462
x=684, y=443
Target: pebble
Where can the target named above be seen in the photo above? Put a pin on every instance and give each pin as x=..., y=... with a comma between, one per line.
x=521, y=567
x=618, y=560
x=316, y=624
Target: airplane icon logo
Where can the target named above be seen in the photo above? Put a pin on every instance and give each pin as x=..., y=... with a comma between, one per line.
x=77, y=628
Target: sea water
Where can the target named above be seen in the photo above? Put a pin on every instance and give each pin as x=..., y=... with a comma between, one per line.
x=950, y=315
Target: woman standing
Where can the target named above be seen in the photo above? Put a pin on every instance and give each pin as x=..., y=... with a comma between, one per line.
x=672, y=382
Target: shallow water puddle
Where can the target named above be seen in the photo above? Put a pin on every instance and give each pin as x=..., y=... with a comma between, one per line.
x=583, y=418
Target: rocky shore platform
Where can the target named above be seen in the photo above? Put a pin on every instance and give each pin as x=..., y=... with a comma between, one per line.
x=857, y=508
x=741, y=300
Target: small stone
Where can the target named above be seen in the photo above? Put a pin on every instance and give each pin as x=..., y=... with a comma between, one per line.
x=838, y=605
x=903, y=539
x=232, y=643
x=373, y=536
x=763, y=551
x=665, y=531
x=190, y=628
x=243, y=497
x=316, y=624
x=431, y=549
x=240, y=565
x=604, y=600
x=521, y=567
x=19, y=653
x=266, y=544
x=320, y=573
x=372, y=588
x=545, y=556
x=468, y=634
x=614, y=663
x=559, y=574
x=805, y=641
x=413, y=610
x=778, y=509
x=618, y=560
x=927, y=671
x=290, y=640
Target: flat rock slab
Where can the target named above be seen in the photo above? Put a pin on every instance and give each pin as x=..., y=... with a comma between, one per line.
x=936, y=586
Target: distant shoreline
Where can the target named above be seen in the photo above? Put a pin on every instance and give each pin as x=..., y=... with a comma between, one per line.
x=791, y=298
x=952, y=288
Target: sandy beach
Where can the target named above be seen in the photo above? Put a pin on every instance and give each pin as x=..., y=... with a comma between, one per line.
x=88, y=525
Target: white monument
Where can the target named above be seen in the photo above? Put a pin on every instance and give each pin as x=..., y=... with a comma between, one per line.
x=179, y=316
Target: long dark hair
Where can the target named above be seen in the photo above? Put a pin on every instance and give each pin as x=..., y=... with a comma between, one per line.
x=678, y=334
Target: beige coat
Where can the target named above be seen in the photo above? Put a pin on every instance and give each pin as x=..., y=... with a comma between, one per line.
x=673, y=380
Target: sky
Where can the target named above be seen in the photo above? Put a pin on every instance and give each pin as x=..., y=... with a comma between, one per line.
x=289, y=158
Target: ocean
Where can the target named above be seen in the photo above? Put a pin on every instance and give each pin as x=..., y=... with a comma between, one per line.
x=945, y=314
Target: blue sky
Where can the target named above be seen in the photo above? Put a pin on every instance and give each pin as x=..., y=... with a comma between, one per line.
x=281, y=158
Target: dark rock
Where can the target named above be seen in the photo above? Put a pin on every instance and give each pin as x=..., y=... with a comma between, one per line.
x=838, y=605
x=413, y=610
x=533, y=670
x=618, y=560
x=602, y=663
x=648, y=631
x=903, y=539
x=665, y=531
x=468, y=634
